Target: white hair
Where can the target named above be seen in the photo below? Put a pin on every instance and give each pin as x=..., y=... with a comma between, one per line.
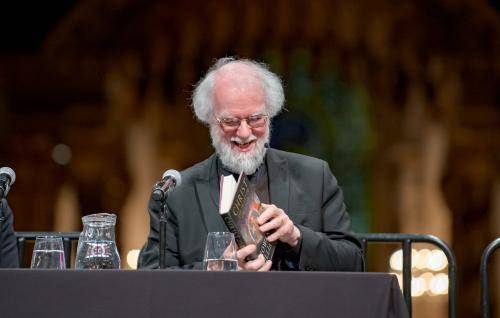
x=203, y=93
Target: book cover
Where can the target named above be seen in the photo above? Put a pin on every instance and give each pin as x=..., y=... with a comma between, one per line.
x=240, y=207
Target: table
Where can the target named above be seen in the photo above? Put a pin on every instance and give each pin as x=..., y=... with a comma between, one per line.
x=176, y=293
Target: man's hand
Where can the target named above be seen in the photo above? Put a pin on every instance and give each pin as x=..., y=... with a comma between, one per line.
x=277, y=222
x=259, y=264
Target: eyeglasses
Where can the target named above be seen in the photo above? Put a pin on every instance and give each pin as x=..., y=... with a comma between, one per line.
x=233, y=123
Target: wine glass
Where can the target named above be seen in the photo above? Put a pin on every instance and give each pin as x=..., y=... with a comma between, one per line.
x=220, y=252
x=48, y=253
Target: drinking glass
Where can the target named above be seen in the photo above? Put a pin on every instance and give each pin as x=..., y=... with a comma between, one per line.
x=48, y=253
x=220, y=252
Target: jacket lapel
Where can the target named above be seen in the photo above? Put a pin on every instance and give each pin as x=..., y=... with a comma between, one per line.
x=279, y=183
x=207, y=189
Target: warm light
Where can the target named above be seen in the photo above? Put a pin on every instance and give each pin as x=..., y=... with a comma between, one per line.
x=427, y=282
x=426, y=262
x=422, y=259
x=427, y=276
x=132, y=257
x=418, y=286
x=437, y=260
x=439, y=284
x=61, y=154
x=396, y=260
x=414, y=257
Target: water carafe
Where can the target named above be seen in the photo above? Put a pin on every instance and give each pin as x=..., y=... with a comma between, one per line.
x=96, y=245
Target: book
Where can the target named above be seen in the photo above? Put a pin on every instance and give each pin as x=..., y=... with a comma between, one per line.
x=240, y=207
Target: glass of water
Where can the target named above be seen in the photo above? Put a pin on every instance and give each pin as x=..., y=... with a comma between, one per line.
x=48, y=253
x=220, y=252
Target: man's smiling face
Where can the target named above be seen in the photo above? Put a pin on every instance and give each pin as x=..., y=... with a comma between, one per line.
x=238, y=94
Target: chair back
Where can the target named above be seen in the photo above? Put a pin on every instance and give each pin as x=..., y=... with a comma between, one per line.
x=406, y=241
x=67, y=238
x=485, y=293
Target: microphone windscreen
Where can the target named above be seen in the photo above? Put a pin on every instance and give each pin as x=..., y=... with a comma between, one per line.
x=174, y=174
x=12, y=175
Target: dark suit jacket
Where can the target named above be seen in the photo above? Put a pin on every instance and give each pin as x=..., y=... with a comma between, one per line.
x=302, y=186
x=8, y=243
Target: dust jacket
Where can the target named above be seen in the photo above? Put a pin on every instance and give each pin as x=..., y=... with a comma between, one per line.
x=240, y=207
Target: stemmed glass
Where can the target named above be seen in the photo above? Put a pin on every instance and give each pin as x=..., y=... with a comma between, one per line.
x=48, y=253
x=220, y=252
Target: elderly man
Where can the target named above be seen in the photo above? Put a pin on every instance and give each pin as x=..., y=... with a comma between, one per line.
x=305, y=212
x=8, y=244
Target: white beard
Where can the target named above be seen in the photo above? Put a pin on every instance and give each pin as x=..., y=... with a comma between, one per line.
x=236, y=161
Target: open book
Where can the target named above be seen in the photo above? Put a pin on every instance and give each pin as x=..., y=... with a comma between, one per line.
x=240, y=207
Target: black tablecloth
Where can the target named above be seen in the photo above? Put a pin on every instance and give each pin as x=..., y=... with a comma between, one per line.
x=114, y=293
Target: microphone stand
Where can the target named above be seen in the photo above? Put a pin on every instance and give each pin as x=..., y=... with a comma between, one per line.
x=170, y=179
x=2, y=219
x=163, y=233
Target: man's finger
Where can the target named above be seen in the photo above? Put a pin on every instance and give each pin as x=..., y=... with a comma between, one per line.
x=266, y=267
x=269, y=212
x=255, y=264
x=274, y=236
x=272, y=224
x=242, y=253
x=282, y=233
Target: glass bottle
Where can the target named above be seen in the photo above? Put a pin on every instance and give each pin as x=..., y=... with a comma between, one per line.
x=96, y=245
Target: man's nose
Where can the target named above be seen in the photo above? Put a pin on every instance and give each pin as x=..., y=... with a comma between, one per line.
x=244, y=130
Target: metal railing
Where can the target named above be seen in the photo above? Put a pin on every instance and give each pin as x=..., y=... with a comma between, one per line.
x=67, y=238
x=485, y=293
x=406, y=241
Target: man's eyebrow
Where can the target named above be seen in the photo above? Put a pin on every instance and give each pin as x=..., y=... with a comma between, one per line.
x=229, y=116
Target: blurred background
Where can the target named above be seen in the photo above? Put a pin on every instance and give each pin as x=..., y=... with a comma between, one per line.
x=400, y=97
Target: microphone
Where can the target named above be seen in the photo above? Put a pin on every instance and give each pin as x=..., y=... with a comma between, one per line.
x=170, y=179
x=7, y=179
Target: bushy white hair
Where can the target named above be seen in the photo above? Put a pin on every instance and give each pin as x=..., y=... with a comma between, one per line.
x=202, y=100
